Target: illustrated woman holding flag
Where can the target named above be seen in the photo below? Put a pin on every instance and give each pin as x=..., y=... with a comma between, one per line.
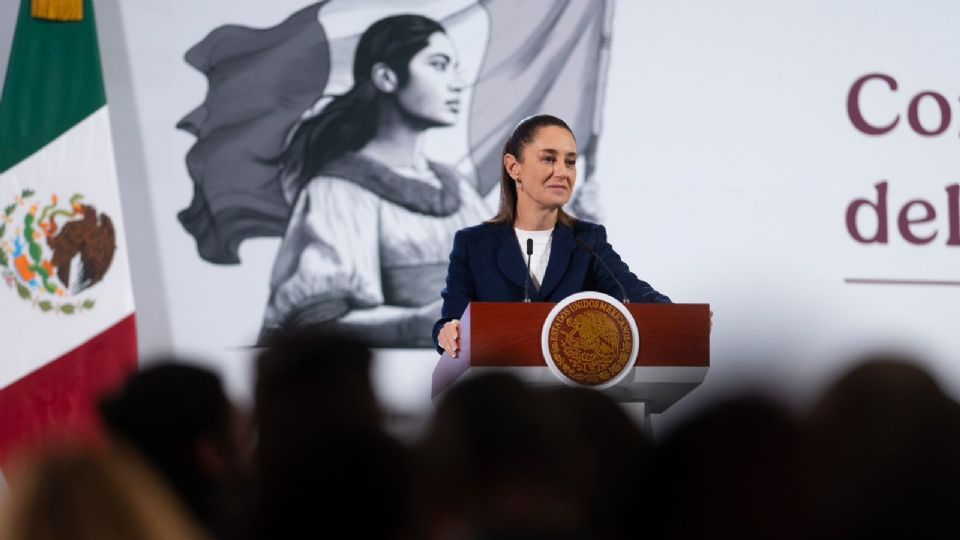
x=372, y=217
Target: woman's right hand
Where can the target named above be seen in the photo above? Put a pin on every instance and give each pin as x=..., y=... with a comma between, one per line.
x=449, y=337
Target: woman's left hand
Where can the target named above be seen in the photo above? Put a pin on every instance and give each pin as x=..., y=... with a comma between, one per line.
x=449, y=337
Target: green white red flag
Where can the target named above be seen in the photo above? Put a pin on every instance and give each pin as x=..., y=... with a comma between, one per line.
x=66, y=302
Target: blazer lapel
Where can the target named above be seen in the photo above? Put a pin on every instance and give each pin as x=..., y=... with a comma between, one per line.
x=510, y=258
x=561, y=250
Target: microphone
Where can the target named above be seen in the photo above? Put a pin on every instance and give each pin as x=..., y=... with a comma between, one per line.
x=584, y=245
x=526, y=279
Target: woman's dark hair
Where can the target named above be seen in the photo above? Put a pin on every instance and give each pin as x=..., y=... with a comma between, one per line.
x=350, y=120
x=522, y=135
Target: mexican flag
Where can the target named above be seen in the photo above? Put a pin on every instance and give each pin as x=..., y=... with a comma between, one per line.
x=67, y=330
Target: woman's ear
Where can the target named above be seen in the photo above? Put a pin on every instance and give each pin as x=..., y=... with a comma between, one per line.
x=512, y=165
x=384, y=78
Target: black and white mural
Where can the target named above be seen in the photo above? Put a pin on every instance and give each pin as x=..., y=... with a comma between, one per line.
x=365, y=134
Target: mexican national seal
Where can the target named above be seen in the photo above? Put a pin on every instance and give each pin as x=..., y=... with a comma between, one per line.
x=590, y=339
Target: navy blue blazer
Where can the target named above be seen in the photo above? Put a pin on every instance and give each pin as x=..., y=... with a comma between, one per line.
x=487, y=265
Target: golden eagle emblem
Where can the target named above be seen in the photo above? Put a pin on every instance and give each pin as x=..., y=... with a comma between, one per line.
x=52, y=253
x=591, y=341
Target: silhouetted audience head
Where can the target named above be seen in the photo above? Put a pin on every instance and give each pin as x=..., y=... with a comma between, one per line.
x=324, y=466
x=344, y=483
x=884, y=444
x=308, y=381
x=732, y=471
x=82, y=494
x=180, y=419
x=492, y=465
x=605, y=454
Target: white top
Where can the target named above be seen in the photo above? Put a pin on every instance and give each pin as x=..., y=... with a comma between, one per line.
x=541, y=252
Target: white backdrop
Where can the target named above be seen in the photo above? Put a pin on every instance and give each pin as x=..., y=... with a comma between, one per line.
x=726, y=164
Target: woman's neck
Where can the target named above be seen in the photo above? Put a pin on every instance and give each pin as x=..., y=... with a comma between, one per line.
x=397, y=144
x=539, y=219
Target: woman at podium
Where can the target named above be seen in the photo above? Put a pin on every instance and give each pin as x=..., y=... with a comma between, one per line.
x=532, y=250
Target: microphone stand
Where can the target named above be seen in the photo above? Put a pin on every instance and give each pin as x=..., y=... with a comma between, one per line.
x=587, y=247
x=526, y=279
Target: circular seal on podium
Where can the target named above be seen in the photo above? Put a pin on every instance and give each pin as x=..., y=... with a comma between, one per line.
x=590, y=339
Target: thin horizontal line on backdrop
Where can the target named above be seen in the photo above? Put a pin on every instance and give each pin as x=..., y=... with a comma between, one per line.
x=878, y=281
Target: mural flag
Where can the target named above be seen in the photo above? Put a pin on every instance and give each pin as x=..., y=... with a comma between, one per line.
x=66, y=303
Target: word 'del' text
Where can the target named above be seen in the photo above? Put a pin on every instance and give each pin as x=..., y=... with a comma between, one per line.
x=916, y=218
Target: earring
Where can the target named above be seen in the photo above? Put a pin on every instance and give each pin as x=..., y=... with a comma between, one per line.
x=519, y=185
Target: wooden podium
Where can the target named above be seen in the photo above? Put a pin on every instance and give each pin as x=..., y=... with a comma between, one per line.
x=673, y=357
